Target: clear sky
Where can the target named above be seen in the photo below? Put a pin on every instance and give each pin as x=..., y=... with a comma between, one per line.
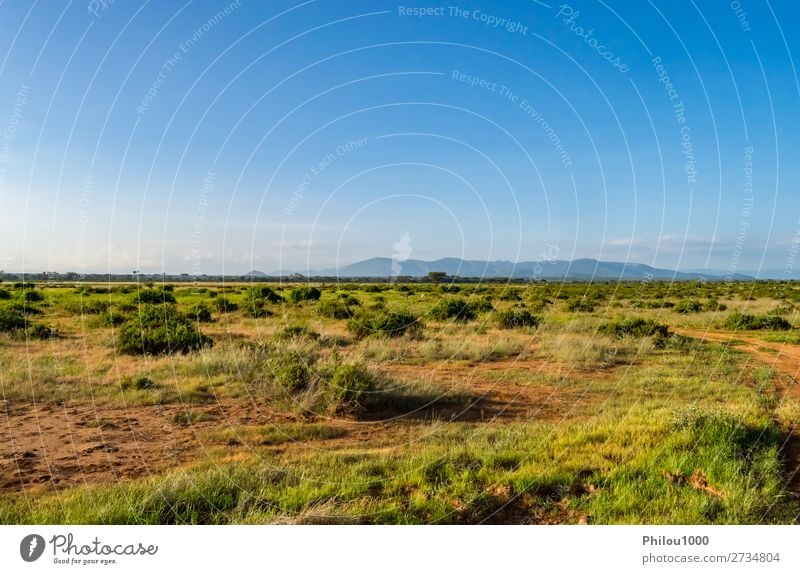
x=222, y=137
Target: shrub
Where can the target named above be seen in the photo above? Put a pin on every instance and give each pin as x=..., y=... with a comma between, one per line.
x=510, y=295
x=687, y=306
x=200, y=313
x=335, y=309
x=112, y=318
x=4, y=294
x=350, y=381
x=482, y=305
x=39, y=331
x=294, y=331
x=86, y=307
x=348, y=299
x=740, y=321
x=154, y=296
x=256, y=299
x=225, y=305
x=11, y=320
x=580, y=306
x=256, y=308
x=24, y=309
x=290, y=370
x=516, y=318
x=31, y=296
x=774, y=323
x=160, y=329
x=714, y=305
x=304, y=294
x=634, y=328
x=138, y=383
x=385, y=323
x=458, y=309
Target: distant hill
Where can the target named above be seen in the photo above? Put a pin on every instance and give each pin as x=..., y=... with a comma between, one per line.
x=577, y=269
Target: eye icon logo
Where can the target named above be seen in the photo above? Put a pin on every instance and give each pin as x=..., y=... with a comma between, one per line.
x=31, y=548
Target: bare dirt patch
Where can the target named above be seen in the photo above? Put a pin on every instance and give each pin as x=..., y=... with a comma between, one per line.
x=496, y=397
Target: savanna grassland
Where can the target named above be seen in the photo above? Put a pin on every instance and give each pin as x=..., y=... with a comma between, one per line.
x=400, y=403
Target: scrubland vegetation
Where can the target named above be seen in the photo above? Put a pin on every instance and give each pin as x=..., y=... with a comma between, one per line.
x=403, y=403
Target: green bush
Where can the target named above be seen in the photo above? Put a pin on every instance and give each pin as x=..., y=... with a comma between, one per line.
x=112, y=318
x=4, y=294
x=153, y=296
x=24, y=309
x=740, y=321
x=11, y=320
x=256, y=300
x=714, y=305
x=200, y=313
x=350, y=381
x=687, y=306
x=256, y=308
x=775, y=323
x=743, y=322
x=225, y=305
x=304, y=293
x=39, y=331
x=516, y=318
x=383, y=322
x=138, y=383
x=160, y=329
x=290, y=370
x=458, y=309
x=482, y=305
x=335, y=309
x=634, y=328
x=295, y=331
x=580, y=306
x=31, y=296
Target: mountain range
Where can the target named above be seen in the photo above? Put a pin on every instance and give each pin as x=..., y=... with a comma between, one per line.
x=577, y=269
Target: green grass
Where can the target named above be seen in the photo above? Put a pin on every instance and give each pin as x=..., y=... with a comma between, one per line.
x=668, y=429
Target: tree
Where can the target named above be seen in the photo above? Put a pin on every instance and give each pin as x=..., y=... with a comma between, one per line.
x=437, y=276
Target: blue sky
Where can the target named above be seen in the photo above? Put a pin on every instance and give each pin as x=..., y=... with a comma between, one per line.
x=218, y=138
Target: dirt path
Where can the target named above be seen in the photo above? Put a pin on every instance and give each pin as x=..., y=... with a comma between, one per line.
x=51, y=446
x=783, y=357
